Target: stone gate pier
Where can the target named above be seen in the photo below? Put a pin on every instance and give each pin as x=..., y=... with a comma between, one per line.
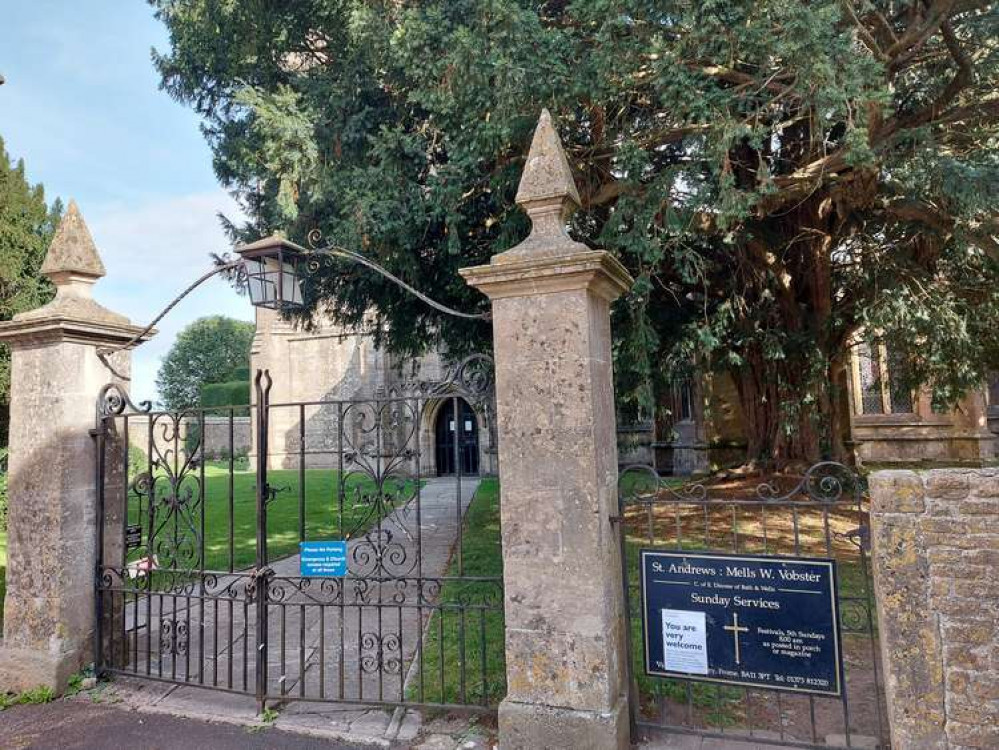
x=565, y=620
x=936, y=575
x=56, y=376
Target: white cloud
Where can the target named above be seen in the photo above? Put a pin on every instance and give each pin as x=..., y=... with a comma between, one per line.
x=152, y=252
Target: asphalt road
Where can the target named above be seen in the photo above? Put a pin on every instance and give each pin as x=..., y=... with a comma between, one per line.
x=80, y=725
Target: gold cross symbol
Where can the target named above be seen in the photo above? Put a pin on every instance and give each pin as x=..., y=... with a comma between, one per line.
x=735, y=629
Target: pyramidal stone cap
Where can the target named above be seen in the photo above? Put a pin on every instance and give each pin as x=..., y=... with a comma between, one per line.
x=73, y=249
x=547, y=174
x=548, y=194
x=74, y=265
x=549, y=259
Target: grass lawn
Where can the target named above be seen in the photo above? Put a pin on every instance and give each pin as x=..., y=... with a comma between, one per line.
x=323, y=517
x=463, y=635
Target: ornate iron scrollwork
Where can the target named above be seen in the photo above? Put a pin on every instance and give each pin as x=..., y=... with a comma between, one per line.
x=114, y=400
x=173, y=494
x=173, y=637
x=855, y=616
x=381, y=652
x=825, y=482
x=378, y=553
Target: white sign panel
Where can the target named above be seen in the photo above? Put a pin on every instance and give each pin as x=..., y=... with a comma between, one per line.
x=685, y=644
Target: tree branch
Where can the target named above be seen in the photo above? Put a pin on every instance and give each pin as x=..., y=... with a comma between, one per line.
x=917, y=34
x=911, y=209
x=862, y=31
x=961, y=80
x=731, y=75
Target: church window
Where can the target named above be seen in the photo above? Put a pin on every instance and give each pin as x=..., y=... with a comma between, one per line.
x=880, y=380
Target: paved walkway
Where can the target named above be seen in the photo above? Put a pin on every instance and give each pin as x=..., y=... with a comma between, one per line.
x=93, y=721
x=690, y=742
x=356, y=643
x=75, y=725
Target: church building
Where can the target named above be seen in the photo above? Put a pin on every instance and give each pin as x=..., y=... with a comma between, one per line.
x=338, y=373
x=699, y=427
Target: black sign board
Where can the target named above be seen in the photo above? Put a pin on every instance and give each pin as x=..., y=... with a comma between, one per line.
x=754, y=620
x=133, y=536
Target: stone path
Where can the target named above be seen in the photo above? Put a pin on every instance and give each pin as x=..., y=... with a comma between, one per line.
x=690, y=742
x=333, y=652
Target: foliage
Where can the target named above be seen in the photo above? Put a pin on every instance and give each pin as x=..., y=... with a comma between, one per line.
x=26, y=227
x=40, y=694
x=230, y=393
x=78, y=680
x=777, y=176
x=207, y=351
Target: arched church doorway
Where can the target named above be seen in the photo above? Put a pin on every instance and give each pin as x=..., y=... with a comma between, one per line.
x=456, y=440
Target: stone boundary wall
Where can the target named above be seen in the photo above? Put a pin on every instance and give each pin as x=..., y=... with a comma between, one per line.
x=634, y=444
x=936, y=574
x=216, y=436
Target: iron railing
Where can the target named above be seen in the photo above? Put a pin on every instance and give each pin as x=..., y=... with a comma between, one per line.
x=822, y=514
x=199, y=583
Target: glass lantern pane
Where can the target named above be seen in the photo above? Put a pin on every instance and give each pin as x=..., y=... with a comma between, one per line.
x=291, y=289
x=255, y=274
x=269, y=280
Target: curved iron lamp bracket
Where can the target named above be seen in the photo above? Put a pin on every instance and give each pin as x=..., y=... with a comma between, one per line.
x=313, y=261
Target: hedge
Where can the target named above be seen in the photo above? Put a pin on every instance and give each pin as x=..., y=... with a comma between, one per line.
x=233, y=393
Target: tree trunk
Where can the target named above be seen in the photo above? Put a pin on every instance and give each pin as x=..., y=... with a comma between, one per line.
x=793, y=404
x=783, y=425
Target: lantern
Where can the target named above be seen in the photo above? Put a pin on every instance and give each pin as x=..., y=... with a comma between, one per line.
x=272, y=267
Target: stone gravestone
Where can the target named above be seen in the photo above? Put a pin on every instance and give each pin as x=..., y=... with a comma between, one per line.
x=56, y=376
x=565, y=621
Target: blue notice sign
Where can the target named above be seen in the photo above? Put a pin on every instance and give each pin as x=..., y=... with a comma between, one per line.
x=323, y=559
x=754, y=620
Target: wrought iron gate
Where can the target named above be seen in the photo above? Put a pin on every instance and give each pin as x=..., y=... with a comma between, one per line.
x=823, y=514
x=199, y=580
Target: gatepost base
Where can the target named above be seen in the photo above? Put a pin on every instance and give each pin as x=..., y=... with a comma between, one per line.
x=530, y=726
x=24, y=669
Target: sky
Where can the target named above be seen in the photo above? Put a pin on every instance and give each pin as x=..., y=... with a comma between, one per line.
x=83, y=108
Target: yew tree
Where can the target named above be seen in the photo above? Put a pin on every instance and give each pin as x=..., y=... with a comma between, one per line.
x=27, y=223
x=777, y=175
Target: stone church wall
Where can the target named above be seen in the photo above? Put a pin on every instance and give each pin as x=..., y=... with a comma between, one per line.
x=326, y=378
